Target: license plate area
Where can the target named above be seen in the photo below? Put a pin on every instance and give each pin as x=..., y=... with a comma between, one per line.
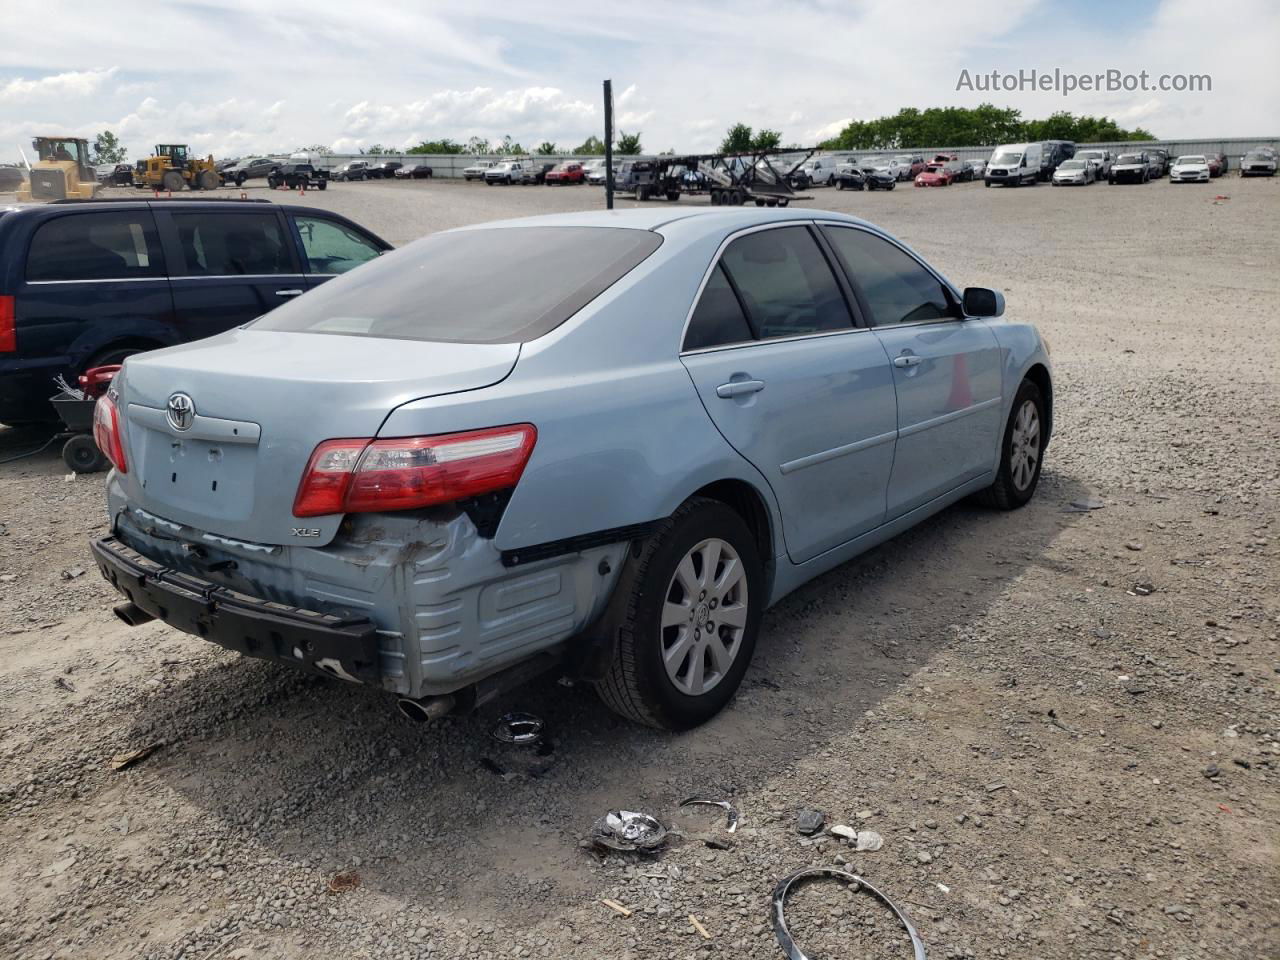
x=213, y=478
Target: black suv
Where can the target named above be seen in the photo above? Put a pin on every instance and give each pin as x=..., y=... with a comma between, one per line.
x=352, y=170
x=1052, y=154
x=87, y=283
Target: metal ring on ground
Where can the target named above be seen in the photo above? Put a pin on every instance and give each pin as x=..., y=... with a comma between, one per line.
x=783, y=889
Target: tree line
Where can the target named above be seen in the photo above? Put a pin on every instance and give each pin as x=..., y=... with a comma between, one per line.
x=984, y=125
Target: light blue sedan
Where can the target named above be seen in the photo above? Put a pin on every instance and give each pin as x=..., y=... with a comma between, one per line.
x=601, y=443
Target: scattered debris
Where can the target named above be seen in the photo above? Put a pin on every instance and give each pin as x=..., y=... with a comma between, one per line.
x=702, y=931
x=1143, y=589
x=1053, y=718
x=784, y=886
x=868, y=841
x=924, y=856
x=520, y=728
x=842, y=831
x=1133, y=545
x=72, y=572
x=1083, y=505
x=715, y=843
x=627, y=830
x=616, y=906
x=1212, y=772
x=64, y=683
x=993, y=787
x=122, y=760
x=342, y=882
x=943, y=887
x=731, y=815
x=809, y=822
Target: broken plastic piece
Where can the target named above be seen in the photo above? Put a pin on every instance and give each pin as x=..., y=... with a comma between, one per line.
x=521, y=728
x=731, y=815
x=784, y=886
x=628, y=830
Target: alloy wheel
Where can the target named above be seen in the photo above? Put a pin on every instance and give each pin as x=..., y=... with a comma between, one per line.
x=704, y=617
x=1024, y=451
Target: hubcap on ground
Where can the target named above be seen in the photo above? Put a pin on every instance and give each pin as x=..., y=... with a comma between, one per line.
x=1025, y=452
x=704, y=617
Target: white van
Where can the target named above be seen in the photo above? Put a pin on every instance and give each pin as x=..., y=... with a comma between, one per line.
x=819, y=170
x=1014, y=164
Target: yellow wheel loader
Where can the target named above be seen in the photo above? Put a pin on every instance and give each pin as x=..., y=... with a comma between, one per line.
x=61, y=172
x=171, y=168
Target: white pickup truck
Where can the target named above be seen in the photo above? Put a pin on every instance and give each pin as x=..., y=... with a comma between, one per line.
x=508, y=172
x=477, y=170
x=894, y=166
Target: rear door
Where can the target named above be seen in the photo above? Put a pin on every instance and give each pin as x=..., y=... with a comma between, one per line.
x=228, y=266
x=946, y=370
x=797, y=389
x=92, y=279
x=330, y=247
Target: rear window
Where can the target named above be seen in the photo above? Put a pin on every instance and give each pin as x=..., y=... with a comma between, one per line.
x=96, y=246
x=232, y=244
x=474, y=286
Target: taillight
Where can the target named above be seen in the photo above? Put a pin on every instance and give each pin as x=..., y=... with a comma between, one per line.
x=106, y=432
x=368, y=476
x=8, y=326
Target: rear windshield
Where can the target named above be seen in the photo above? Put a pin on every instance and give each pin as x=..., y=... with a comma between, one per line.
x=475, y=286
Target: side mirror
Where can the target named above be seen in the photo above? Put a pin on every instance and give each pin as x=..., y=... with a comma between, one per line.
x=981, y=302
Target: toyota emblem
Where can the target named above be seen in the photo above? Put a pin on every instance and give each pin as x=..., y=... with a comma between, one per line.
x=181, y=411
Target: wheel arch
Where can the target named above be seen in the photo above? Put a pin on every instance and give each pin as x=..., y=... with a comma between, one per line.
x=746, y=501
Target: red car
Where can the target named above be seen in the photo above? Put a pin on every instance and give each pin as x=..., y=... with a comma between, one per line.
x=566, y=173
x=1217, y=164
x=936, y=175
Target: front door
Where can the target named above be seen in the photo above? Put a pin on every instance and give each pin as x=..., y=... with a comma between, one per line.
x=794, y=386
x=231, y=266
x=946, y=370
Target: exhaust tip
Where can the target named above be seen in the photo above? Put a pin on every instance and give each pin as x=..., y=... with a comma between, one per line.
x=132, y=614
x=426, y=709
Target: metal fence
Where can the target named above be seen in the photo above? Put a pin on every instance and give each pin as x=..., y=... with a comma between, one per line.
x=450, y=166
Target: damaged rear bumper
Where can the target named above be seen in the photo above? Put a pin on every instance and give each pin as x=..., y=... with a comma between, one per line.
x=336, y=646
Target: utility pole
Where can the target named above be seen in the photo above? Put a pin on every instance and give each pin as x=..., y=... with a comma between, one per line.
x=608, y=144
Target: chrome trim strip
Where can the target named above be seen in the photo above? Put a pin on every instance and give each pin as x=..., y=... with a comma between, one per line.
x=947, y=418
x=772, y=340
x=45, y=283
x=815, y=458
x=213, y=429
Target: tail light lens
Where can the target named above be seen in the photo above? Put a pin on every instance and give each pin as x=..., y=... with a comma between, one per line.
x=369, y=476
x=8, y=326
x=106, y=432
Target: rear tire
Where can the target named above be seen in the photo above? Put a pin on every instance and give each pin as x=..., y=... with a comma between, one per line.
x=1024, y=439
x=668, y=670
x=172, y=181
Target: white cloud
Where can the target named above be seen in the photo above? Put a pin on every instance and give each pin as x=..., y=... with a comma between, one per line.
x=81, y=83
x=453, y=68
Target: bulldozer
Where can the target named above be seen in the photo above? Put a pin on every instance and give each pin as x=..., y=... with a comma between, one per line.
x=172, y=167
x=61, y=172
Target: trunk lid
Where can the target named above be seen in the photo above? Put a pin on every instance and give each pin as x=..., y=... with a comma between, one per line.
x=260, y=402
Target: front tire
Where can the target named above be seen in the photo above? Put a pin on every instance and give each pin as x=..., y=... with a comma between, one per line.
x=1021, y=451
x=684, y=618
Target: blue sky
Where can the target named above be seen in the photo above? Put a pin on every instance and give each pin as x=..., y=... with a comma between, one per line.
x=231, y=81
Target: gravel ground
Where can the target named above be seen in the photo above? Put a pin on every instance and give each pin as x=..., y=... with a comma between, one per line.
x=1060, y=765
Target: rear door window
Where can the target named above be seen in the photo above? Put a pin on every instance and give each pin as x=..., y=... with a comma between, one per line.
x=116, y=245
x=786, y=284
x=232, y=244
x=332, y=247
x=718, y=319
x=897, y=288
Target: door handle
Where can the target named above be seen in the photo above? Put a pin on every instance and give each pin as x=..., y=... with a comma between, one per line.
x=288, y=293
x=738, y=388
x=906, y=360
